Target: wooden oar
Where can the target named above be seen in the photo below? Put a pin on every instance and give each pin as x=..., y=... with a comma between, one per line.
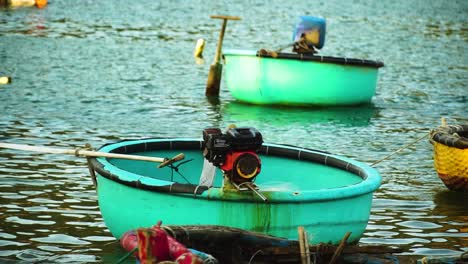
x=89, y=153
x=216, y=69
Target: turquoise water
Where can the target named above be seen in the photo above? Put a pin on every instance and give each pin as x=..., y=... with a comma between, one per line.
x=97, y=72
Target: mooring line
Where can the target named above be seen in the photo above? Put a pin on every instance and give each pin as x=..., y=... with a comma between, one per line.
x=126, y=256
x=400, y=149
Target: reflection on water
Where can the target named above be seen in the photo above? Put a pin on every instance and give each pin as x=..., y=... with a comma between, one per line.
x=296, y=116
x=454, y=206
x=441, y=222
x=450, y=203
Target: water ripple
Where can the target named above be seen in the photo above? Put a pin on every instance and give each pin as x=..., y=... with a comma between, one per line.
x=96, y=72
x=14, y=219
x=61, y=239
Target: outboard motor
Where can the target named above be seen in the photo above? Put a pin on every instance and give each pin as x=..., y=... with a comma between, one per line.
x=234, y=152
x=309, y=34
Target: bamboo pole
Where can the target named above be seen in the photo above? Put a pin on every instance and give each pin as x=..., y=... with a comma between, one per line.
x=340, y=248
x=89, y=153
x=302, y=245
x=306, y=245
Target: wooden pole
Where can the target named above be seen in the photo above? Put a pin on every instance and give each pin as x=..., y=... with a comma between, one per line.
x=216, y=69
x=89, y=153
x=339, y=249
x=306, y=245
x=303, y=245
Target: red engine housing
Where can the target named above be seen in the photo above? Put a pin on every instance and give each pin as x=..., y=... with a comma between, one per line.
x=241, y=166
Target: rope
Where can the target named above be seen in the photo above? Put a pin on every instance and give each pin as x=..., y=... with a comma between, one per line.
x=255, y=254
x=285, y=46
x=169, y=231
x=400, y=149
x=77, y=152
x=127, y=255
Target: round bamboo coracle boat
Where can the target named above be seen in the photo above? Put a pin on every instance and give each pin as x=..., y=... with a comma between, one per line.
x=301, y=77
x=328, y=195
x=451, y=155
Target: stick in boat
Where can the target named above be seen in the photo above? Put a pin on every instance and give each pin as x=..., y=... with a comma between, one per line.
x=89, y=153
x=340, y=247
x=305, y=259
x=216, y=69
x=177, y=157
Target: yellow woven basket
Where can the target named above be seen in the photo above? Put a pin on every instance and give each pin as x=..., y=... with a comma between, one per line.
x=451, y=156
x=451, y=165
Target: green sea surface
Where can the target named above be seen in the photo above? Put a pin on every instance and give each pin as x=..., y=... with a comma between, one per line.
x=101, y=71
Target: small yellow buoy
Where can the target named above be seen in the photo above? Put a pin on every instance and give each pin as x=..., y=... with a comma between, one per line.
x=198, y=53
x=21, y=3
x=5, y=80
x=41, y=3
x=25, y=3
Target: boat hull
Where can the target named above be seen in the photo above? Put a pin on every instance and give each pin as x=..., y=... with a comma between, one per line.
x=128, y=202
x=451, y=156
x=288, y=80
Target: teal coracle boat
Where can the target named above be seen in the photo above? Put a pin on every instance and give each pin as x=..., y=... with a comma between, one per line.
x=299, y=79
x=327, y=194
x=302, y=78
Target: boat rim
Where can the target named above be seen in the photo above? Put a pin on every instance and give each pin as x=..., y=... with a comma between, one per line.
x=451, y=136
x=371, y=179
x=303, y=57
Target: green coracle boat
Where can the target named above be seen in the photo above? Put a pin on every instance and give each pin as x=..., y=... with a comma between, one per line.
x=298, y=79
x=302, y=78
x=327, y=194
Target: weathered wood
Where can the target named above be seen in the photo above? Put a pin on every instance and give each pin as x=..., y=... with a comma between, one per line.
x=340, y=248
x=306, y=245
x=305, y=259
x=234, y=245
x=216, y=69
x=88, y=153
x=166, y=162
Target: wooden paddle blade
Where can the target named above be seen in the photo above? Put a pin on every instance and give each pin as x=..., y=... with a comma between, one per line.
x=214, y=80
